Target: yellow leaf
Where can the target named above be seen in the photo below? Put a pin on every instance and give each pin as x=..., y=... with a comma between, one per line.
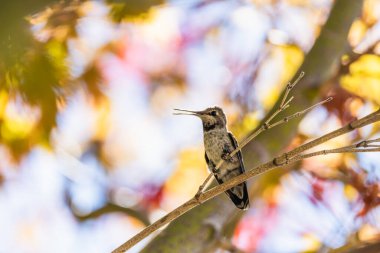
x=292, y=57
x=364, y=78
x=368, y=233
x=357, y=32
x=350, y=192
x=243, y=127
x=184, y=182
x=368, y=64
x=312, y=242
x=3, y=102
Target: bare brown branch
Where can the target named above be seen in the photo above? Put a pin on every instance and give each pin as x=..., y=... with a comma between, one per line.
x=267, y=124
x=286, y=158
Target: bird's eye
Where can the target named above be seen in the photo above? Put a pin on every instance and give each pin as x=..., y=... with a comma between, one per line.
x=213, y=113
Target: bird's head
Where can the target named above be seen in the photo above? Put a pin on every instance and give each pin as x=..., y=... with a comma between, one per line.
x=212, y=117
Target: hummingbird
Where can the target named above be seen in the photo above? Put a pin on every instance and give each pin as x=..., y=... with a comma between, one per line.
x=219, y=143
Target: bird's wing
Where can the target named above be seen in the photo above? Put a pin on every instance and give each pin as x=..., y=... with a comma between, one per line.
x=239, y=193
x=210, y=164
x=235, y=145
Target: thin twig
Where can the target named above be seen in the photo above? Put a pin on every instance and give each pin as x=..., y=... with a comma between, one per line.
x=204, y=184
x=284, y=105
x=334, y=151
x=275, y=163
x=290, y=86
x=300, y=113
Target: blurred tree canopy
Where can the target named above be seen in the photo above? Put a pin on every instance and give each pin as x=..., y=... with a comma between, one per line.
x=319, y=64
x=36, y=70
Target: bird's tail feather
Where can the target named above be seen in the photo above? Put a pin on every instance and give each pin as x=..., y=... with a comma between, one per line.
x=239, y=196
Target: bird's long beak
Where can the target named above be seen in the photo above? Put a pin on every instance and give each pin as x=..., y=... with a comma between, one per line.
x=187, y=112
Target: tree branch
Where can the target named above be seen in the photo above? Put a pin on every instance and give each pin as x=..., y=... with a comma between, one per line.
x=112, y=208
x=284, y=159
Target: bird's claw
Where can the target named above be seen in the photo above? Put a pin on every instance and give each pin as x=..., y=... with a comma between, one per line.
x=226, y=157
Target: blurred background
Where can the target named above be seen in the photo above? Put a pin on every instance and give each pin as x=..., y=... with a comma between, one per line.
x=90, y=152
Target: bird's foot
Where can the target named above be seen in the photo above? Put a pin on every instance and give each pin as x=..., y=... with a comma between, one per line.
x=227, y=157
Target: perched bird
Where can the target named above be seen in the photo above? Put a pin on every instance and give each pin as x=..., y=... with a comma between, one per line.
x=219, y=143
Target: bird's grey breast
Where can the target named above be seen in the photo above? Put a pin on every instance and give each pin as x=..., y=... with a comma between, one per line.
x=217, y=142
